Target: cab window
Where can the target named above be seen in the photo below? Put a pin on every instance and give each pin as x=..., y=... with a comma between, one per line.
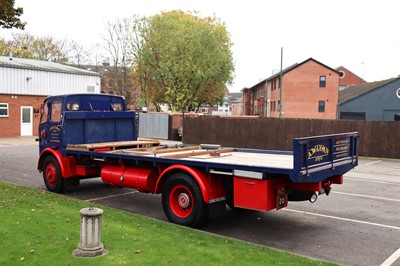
x=72, y=106
x=56, y=111
x=45, y=113
x=117, y=106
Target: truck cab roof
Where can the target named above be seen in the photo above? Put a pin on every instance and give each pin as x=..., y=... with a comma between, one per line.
x=90, y=102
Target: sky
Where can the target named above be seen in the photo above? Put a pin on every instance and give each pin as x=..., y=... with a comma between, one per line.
x=362, y=36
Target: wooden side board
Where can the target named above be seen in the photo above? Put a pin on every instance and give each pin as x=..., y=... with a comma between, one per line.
x=114, y=145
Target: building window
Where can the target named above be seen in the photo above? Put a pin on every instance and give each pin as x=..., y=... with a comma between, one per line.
x=322, y=81
x=26, y=115
x=3, y=109
x=341, y=74
x=321, y=106
x=352, y=116
x=398, y=93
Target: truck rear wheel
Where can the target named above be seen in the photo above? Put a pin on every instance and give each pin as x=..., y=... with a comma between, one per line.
x=182, y=201
x=52, y=175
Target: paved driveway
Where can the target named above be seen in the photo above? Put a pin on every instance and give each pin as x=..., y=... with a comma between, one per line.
x=358, y=224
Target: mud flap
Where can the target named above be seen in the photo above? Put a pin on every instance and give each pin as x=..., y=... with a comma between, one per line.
x=281, y=198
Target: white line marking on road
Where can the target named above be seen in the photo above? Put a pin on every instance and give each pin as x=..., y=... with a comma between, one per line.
x=344, y=219
x=374, y=162
x=372, y=181
x=365, y=196
x=389, y=261
x=112, y=196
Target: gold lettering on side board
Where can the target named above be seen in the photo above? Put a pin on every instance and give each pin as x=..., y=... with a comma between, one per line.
x=319, y=148
x=342, y=141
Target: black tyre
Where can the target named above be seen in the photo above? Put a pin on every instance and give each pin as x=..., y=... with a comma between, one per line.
x=182, y=201
x=52, y=175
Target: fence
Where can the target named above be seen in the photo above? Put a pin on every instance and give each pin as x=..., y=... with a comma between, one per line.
x=378, y=138
x=153, y=125
x=160, y=125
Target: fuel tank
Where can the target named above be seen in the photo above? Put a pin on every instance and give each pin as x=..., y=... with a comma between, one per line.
x=142, y=179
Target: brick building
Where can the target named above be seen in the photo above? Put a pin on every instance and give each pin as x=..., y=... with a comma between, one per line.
x=309, y=90
x=348, y=78
x=25, y=83
x=116, y=80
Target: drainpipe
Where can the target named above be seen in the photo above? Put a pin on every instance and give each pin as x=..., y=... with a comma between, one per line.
x=280, y=87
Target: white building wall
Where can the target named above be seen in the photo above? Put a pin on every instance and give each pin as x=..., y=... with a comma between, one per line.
x=35, y=82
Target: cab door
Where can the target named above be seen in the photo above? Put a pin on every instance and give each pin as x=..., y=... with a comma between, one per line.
x=50, y=133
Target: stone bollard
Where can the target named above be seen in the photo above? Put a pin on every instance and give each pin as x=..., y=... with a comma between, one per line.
x=90, y=243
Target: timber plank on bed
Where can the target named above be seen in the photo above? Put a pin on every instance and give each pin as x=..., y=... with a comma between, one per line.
x=113, y=145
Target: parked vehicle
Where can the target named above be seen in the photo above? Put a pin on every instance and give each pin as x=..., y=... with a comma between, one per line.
x=93, y=135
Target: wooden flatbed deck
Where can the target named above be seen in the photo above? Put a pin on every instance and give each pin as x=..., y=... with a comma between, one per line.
x=230, y=156
x=148, y=148
x=283, y=161
x=223, y=156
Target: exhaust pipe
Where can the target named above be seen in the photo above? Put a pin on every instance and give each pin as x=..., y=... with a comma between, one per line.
x=313, y=197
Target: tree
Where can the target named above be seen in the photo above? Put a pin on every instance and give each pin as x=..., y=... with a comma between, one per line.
x=3, y=46
x=47, y=49
x=25, y=45
x=118, y=46
x=78, y=54
x=148, y=91
x=20, y=45
x=97, y=55
x=9, y=16
x=188, y=57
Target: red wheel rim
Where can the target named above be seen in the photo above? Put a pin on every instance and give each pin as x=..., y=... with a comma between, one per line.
x=51, y=174
x=181, y=201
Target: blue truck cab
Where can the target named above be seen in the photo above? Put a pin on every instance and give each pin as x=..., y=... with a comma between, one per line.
x=88, y=118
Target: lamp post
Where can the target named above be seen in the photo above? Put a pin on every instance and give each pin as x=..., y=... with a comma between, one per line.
x=280, y=87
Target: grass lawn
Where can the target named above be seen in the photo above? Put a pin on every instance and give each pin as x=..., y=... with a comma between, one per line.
x=42, y=228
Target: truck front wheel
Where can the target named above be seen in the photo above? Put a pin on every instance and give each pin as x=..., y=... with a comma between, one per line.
x=52, y=175
x=183, y=202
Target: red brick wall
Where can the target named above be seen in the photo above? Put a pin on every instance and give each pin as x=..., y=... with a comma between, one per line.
x=246, y=102
x=301, y=92
x=11, y=126
x=275, y=96
x=349, y=78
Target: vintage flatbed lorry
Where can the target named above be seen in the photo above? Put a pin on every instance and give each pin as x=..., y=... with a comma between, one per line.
x=93, y=135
